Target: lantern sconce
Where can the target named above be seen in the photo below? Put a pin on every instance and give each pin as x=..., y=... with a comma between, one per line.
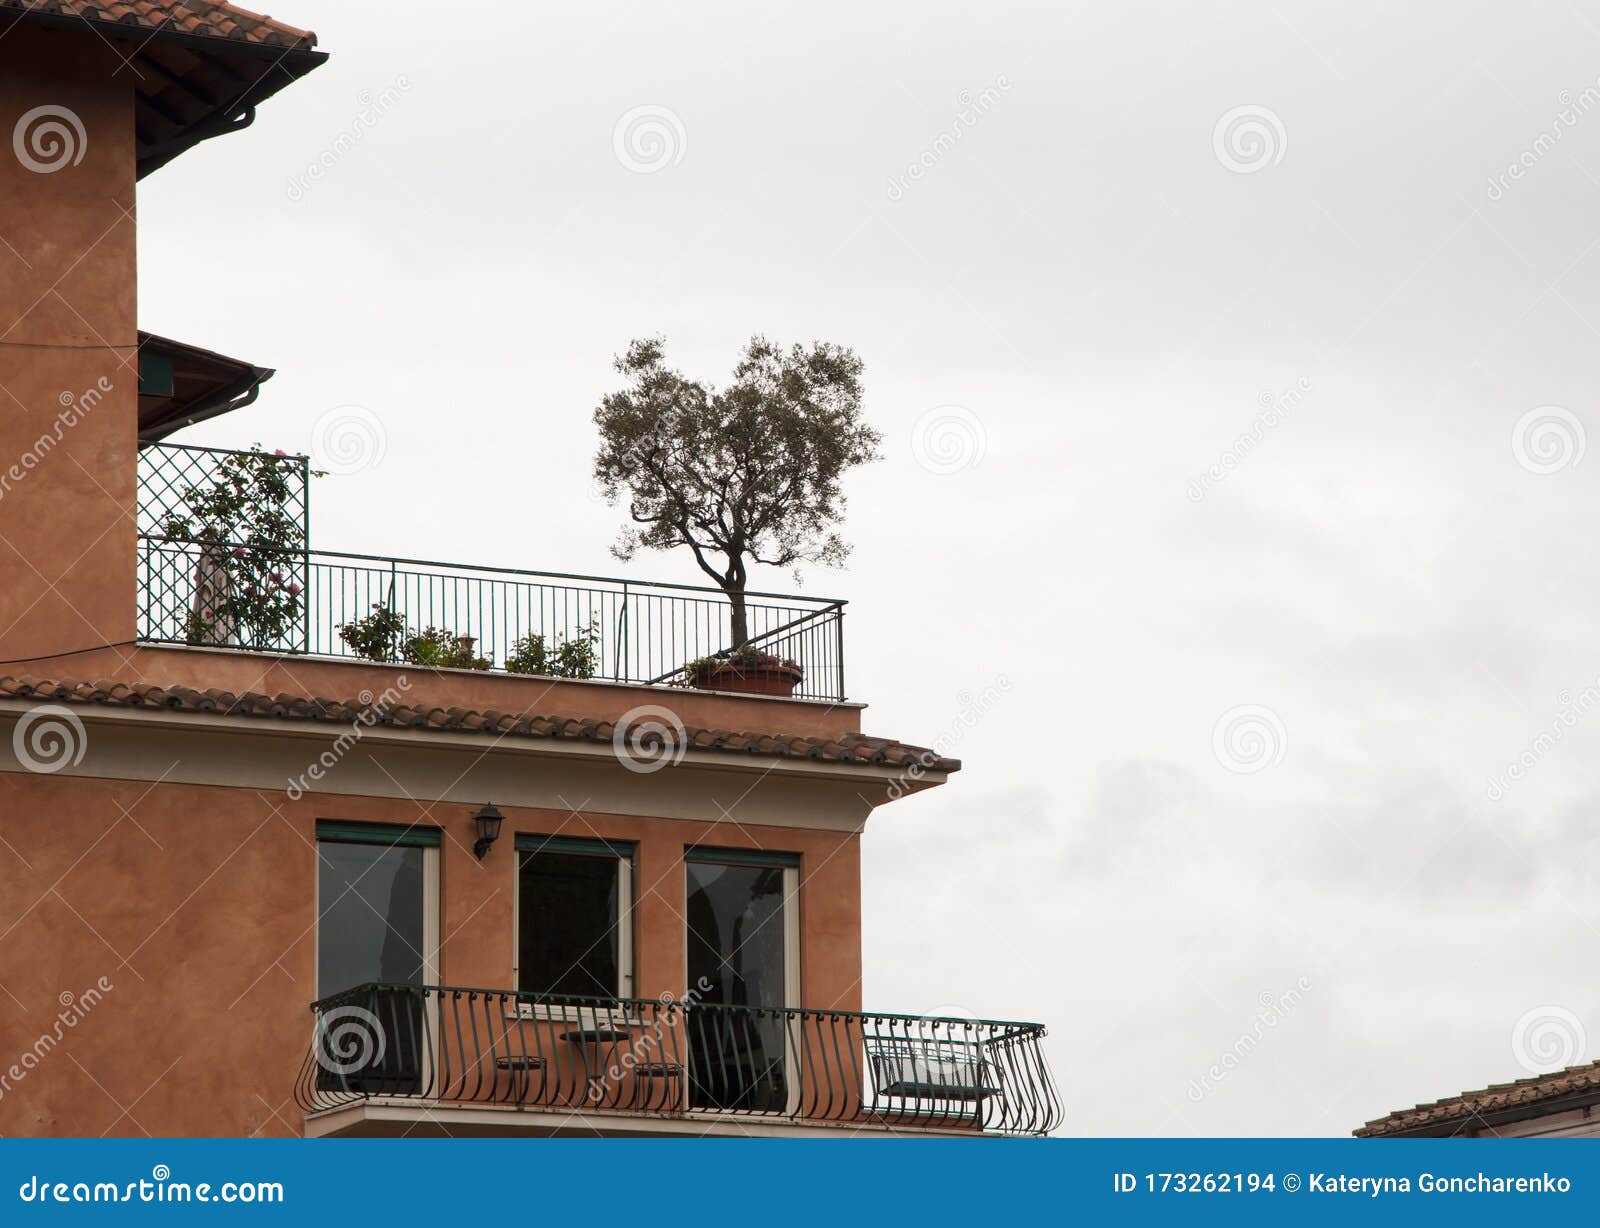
x=488, y=820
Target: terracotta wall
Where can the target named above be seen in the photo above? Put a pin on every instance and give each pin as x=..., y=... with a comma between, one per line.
x=67, y=334
x=237, y=671
x=196, y=905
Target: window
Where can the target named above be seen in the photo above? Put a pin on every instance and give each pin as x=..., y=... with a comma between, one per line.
x=376, y=904
x=738, y=931
x=574, y=917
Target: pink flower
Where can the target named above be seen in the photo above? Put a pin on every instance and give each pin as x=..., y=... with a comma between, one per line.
x=239, y=552
x=276, y=577
x=295, y=590
x=279, y=452
x=207, y=615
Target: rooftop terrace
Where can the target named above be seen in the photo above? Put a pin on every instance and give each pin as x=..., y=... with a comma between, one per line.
x=225, y=561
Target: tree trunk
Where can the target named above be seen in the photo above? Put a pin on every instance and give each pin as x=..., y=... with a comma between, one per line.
x=733, y=581
x=741, y=620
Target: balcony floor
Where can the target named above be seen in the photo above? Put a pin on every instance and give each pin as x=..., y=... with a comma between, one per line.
x=396, y=1118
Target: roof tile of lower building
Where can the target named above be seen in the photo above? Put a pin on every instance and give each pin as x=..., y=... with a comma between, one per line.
x=849, y=748
x=203, y=18
x=1523, y=1093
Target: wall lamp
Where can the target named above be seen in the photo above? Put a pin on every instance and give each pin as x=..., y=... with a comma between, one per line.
x=488, y=820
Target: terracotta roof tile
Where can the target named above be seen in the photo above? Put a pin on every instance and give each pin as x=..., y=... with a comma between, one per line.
x=1464, y=1108
x=202, y=18
x=848, y=748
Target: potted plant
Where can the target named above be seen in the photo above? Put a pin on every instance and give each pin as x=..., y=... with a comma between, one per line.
x=440, y=649
x=383, y=636
x=578, y=657
x=378, y=636
x=747, y=671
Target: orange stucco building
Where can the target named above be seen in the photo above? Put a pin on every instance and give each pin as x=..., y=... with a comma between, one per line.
x=261, y=874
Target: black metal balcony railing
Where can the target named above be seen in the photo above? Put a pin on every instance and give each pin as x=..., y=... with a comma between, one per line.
x=443, y=1046
x=291, y=599
x=638, y=631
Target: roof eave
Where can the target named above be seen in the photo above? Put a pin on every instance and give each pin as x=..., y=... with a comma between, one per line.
x=285, y=66
x=1444, y=1127
x=232, y=117
x=231, y=384
x=319, y=730
x=236, y=396
x=141, y=35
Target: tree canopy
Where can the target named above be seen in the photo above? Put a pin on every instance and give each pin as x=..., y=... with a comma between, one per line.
x=746, y=474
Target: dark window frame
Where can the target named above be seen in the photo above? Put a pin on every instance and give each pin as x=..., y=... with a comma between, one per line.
x=339, y=831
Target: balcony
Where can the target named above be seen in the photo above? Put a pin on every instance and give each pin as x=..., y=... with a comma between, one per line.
x=229, y=588
x=500, y=1061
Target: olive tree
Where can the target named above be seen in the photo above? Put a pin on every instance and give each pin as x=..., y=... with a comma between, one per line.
x=746, y=474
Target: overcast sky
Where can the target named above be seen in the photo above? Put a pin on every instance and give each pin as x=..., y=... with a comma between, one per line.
x=1248, y=750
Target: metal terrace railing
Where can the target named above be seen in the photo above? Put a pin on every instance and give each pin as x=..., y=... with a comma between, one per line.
x=637, y=631
x=222, y=587
x=438, y=1045
x=173, y=478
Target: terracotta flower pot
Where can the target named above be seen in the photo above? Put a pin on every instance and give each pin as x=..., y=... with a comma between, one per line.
x=751, y=678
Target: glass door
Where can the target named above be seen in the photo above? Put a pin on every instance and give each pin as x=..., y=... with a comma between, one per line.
x=377, y=921
x=742, y=972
